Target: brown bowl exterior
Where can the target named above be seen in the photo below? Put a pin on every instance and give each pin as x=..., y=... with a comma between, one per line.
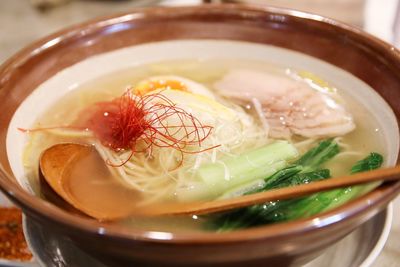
x=285, y=244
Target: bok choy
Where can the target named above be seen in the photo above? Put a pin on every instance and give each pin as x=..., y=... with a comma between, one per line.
x=214, y=179
x=305, y=170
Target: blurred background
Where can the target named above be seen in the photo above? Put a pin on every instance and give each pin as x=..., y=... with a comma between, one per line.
x=23, y=21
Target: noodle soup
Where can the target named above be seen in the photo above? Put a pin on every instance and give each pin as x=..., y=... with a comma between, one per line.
x=203, y=135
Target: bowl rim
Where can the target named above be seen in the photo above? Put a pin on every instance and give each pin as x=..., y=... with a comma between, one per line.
x=39, y=208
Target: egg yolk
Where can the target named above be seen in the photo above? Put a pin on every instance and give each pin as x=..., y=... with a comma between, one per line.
x=148, y=86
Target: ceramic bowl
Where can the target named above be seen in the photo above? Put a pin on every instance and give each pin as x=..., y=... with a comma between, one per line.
x=356, y=53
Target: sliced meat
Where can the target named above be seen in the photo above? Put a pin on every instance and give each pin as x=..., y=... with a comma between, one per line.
x=290, y=107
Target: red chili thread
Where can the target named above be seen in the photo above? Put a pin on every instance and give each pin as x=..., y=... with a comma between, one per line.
x=124, y=122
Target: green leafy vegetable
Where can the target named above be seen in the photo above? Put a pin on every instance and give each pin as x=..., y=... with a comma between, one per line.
x=279, y=178
x=310, y=161
x=267, y=212
x=304, y=170
x=372, y=162
x=318, y=155
x=217, y=178
x=340, y=196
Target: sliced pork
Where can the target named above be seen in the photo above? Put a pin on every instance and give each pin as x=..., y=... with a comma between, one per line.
x=289, y=106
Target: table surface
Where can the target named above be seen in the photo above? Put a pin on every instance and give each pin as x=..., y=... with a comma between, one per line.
x=22, y=24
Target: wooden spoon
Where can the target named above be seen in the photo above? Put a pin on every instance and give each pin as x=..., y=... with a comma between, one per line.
x=57, y=160
x=93, y=192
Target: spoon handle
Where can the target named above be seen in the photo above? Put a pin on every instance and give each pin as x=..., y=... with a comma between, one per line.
x=283, y=193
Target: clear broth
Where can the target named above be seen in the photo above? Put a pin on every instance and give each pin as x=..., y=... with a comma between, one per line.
x=365, y=138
